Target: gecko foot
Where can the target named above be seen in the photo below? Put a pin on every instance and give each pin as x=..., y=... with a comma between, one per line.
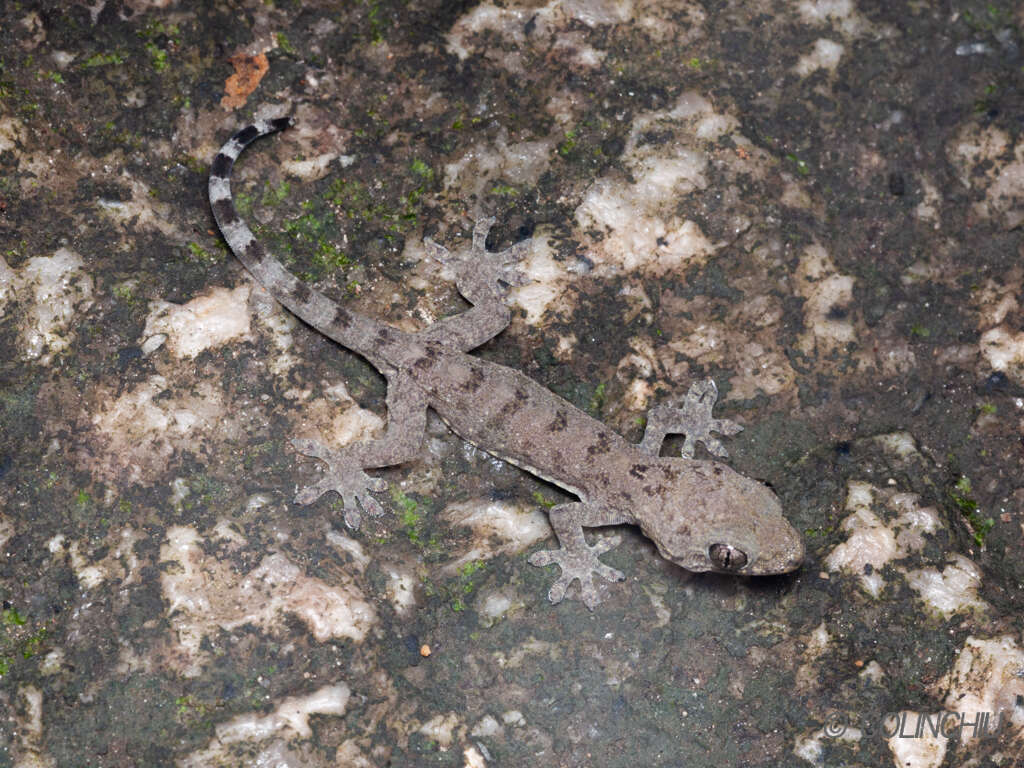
x=693, y=419
x=345, y=478
x=478, y=270
x=579, y=563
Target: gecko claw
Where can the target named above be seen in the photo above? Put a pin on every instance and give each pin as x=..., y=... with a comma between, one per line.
x=344, y=478
x=582, y=565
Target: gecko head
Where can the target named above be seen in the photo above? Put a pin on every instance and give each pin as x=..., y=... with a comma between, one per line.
x=727, y=523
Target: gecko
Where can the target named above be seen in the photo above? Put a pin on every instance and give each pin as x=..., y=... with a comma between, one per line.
x=701, y=514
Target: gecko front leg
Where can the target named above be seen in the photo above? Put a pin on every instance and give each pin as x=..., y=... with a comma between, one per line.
x=692, y=419
x=483, y=278
x=407, y=421
x=576, y=558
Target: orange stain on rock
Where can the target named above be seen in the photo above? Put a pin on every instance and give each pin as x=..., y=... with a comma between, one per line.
x=249, y=70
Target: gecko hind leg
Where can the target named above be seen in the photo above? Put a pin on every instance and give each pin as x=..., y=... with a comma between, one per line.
x=693, y=419
x=407, y=420
x=577, y=559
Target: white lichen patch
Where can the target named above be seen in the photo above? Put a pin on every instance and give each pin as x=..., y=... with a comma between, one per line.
x=12, y=134
x=142, y=212
x=487, y=728
x=982, y=694
x=401, y=590
x=873, y=543
x=473, y=758
x=53, y=291
x=794, y=194
x=8, y=282
x=279, y=324
x=985, y=157
x=135, y=434
x=828, y=295
x=641, y=231
x=841, y=14
x=826, y=54
x=988, y=677
x=498, y=527
x=6, y=531
x=680, y=21
x=509, y=23
x=938, y=266
x=931, y=202
x=999, y=317
x=997, y=300
x=743, y=341
x=976, y=144
x=493, y=604
x=336, y=420
x=520, y=655
x=349, y=755
x=1005, y=195
x=27, y=746
x=120, y=563
x=204, y=593
x=238, y=739
x=758, y=369
x=442, y=729
x=554, y=27
x=635, y=218
x=952, y=590
x=872, y=673
x=900, y=444
x=484, y=166
x=210, y=320
x=310, y=168
x=924, y=751
x=52, y=663
x=811, y=747
x=705, y=343
x=349, y=546
x=816, y=644
x=638, y=395
x=513, y=718
x=1003, y=350
x=546, y=278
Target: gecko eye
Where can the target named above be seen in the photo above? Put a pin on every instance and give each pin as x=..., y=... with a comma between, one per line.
x=727, y=557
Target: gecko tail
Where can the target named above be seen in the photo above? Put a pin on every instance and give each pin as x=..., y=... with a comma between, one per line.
x=222, y=164
x=348, y=328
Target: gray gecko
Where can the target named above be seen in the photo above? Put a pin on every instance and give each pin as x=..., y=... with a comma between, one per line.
x=701, y=515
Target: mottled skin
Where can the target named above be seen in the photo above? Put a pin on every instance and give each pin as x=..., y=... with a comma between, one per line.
x=702, y=515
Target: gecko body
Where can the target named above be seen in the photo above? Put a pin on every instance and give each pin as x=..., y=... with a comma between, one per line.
x=701, y=515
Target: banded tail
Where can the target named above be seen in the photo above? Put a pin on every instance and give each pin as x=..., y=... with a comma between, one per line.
x=350, y=329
